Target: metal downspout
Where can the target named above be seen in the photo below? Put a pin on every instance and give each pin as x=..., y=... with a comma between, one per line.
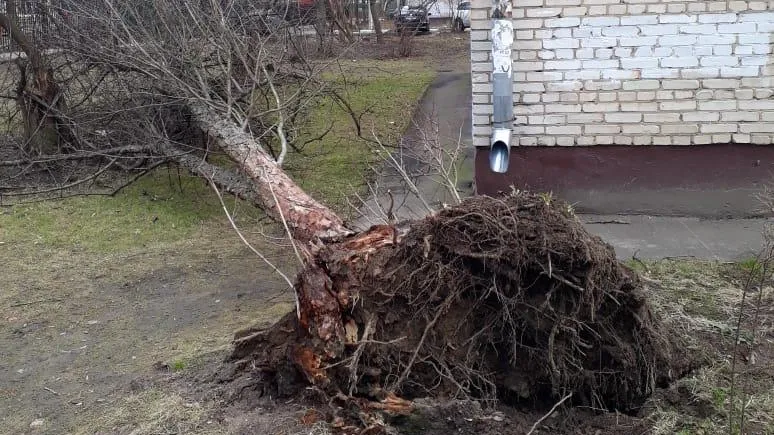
x=502, y=84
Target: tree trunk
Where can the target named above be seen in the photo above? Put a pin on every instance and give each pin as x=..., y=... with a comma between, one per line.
x=38, y=97
x=340, y=21
x=309, y=221
x=375, y=17
x=321, y=25
x=405, y=44
x=12, y=15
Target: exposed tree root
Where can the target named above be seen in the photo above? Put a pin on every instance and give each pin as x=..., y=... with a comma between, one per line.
x=505, y=299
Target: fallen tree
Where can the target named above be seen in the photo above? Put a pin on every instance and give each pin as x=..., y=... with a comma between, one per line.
x=497, y=298
x=493, y=299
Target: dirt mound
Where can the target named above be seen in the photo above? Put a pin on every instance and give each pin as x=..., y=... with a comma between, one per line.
x=497, y=298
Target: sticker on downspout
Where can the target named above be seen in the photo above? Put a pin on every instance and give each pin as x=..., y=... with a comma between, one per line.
x=502, y=43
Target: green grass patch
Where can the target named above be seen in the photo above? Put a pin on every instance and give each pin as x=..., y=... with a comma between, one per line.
x=702, y=299
x=751, y=271
x=701, y=288
x=385, y=93
x=178, y=366
x=158, y=208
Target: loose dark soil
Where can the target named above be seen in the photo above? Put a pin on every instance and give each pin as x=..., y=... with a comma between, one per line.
x=695, y=404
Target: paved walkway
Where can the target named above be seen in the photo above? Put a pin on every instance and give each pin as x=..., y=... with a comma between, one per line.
x=444, y=112
x=446, y=107
x=655, y=237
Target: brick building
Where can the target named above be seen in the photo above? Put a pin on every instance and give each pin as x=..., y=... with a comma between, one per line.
x=616, y=101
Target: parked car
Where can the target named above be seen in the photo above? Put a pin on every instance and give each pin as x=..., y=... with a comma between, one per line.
x=412, y=18
x=462, y=16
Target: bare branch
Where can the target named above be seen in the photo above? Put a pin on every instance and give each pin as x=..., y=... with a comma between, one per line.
x=252, y=248
x=81, y=155
x=548, y=414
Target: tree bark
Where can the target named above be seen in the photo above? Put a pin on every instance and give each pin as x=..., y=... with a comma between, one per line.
x=375, y=17
x=309, y=221
x=228, y=181
x=321, y=25
x=340, y=21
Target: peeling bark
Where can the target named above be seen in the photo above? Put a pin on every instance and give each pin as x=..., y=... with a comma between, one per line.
x=325, y=295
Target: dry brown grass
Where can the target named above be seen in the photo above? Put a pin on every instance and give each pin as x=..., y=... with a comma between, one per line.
x=703, y=300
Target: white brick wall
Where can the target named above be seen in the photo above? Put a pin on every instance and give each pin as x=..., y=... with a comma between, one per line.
x=632, y=72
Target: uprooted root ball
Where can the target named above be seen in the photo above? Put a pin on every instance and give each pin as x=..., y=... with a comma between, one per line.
x=497, y=298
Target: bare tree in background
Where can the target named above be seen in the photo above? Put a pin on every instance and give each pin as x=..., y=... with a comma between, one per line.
x=152, y=81
x=38, y=96
x=375, y=18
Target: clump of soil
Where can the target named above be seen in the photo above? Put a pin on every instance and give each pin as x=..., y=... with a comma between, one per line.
x=494, y=299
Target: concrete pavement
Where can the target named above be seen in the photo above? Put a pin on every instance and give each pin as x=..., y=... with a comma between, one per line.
x=656, y=237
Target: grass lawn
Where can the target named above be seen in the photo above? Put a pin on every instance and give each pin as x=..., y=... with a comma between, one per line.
x=166, y=206
x=703, y=300
x=386, y=92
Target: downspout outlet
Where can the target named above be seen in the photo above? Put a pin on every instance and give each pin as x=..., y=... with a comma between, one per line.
x=500, y=150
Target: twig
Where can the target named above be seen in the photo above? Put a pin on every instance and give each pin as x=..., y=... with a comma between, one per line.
x=255, y=251
x=66, y=186
x=358, y=352
x=401, y=169
x=80, y=155
x=51, y=391
x=745, y=290
x=563, y=280
x=642, y=263
x=280, y=122
x=136, y=177
x=287, y=229
x=390, y=214
x=22, y=304
x=428, y=327
x=551, y=411
x=764, y=272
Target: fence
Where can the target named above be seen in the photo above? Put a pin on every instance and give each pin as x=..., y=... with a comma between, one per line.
x=37, y=19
